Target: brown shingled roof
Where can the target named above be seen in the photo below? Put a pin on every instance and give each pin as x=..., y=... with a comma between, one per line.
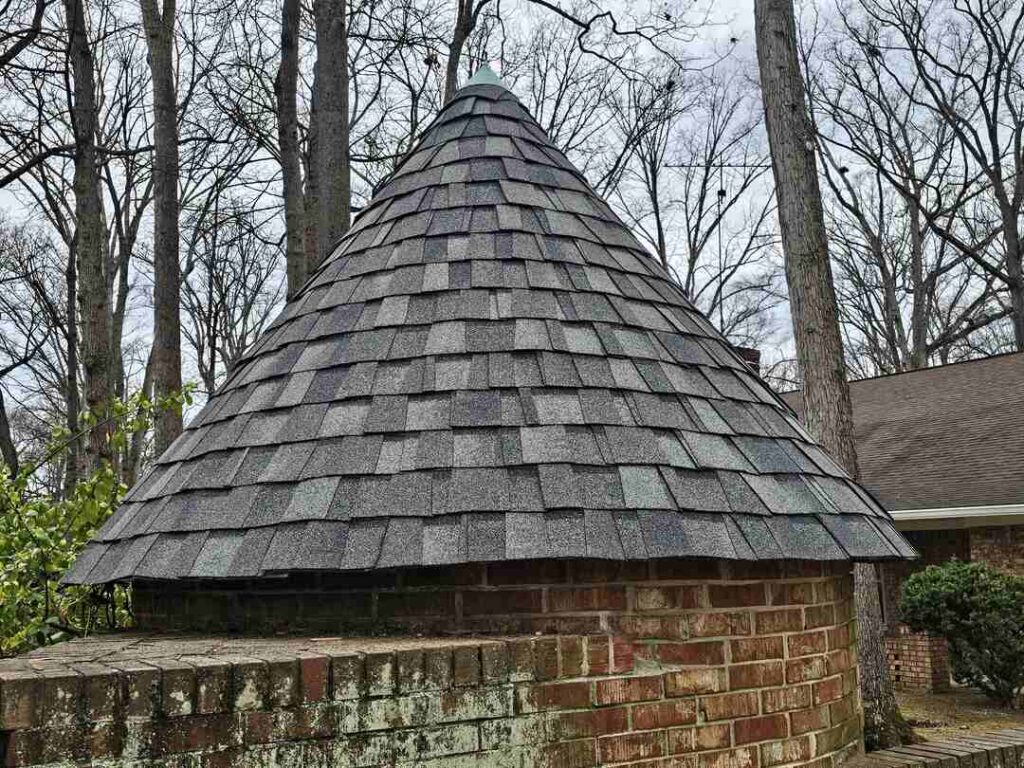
x=949, y=436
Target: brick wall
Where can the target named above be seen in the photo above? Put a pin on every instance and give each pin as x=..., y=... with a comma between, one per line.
x=918, y=661
x=1000, y=546
x=731, y=668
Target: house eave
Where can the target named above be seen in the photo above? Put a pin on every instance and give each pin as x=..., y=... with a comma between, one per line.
x=941, y=518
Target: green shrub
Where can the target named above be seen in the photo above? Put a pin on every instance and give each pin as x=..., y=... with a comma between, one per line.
x=40, y=537
x=980, y=612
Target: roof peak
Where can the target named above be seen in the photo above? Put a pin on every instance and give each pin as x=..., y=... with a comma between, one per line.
x=486, y=76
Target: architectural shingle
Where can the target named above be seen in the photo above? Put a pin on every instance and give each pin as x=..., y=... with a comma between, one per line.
x=488, y=367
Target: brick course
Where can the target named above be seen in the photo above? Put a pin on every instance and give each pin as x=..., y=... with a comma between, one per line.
x=918, y=661
x=706, y=682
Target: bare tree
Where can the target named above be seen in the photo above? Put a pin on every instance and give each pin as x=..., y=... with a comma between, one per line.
x=159, y=25
x=16, y=39
x=826, y=394
x=90, y=235
x=329, y=180
x=964, y=64
x=285, y=88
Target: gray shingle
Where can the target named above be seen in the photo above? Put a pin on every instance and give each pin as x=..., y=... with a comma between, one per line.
x=488, y=366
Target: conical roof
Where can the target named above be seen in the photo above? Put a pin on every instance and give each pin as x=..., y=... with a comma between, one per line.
x=489, y=367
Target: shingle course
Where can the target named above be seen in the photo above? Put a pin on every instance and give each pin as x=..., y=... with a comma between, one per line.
x=489, y=366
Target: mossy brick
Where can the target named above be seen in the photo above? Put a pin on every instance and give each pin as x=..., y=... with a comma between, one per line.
x=177, y=687
x=213, y=684
x=466, y=665
x=314, y=677
x=410, y=676
x=282, y=682
x=538, y=697
x=101, y=690
x=474, y=703
x=494, y=663
x=379, y=673
x=512, y=731
x=571, y=656
x=250, y=684
x=305, y=722
x=565, y=726
x=437, y=668
x=376, y=749
x=425, y=743
x=19, y=696
x=197, y=733
x=520, y=660
x=347, y=672
x=141, y=683
x=545, y=658
x=60, y=695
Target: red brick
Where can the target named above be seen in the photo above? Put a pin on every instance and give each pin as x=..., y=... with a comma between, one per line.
x=796, y=750
x=704, y=654
x=416, y=604
x=757, y=648
x=630, y=746
x=622, y=655
x=679, y=740
x=647, y=717
x=603, y=598
x=572, y=695
x=760, y=674
x=806, y=643
x=736, y=595
x=687, y=682
x=594, y=722
x=794, y=593
x=569, y=754
x=720, y=624
x=665, y=598
x=827, y=690
x=782, y=620
x=732, y=758
x=807, y=720
x=504, y=601
x=730, y=706
x=715, y=736
x=808, y=668
x=570, y=656
x=753, y=729
x=545, y=658
x=314, y=673
x=786, y=698
x=627, y=689
x=819, y=616
x=466, y=668
x=599, y=654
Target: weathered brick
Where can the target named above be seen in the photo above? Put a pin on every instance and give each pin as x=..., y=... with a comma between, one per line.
x=806, y=643
x=757, y=648
x=346, y=676
x=718, y=624
x=786, y=751
x=666, y=598
x=571, y=656
x=664, y=714
x=557, y=695
x=631, y=746
x=502, y=601
x=706, y=653
x=494, y=663
x=760, y=674
x=687, y=682
x=591, y=598
x=19, y=695
x=736, y=595
x=627, y=689
x=595, y=722
x=827, y=690
x=729, y=706
x=785, y=698
x=466, y=665
x=807, y=720
x=730, y=758
x=782, y=620
x=753, y=729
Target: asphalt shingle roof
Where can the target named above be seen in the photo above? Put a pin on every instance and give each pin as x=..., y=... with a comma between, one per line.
x=948, y=436
x=488, y=367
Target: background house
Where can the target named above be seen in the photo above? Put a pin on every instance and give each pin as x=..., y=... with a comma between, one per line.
x=943, y=450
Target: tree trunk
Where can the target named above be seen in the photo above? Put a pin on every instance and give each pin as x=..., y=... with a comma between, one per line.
x=826, y=395
x=330, y=115
x=159, y=26
x=921, y=291
x=463, y=27
x=132, y=467
x=90, y=237
x=72, y=396
x=8, y=452
x=311, y=196
x=285, y=88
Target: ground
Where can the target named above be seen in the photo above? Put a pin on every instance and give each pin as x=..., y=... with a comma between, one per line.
x=937, y=716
